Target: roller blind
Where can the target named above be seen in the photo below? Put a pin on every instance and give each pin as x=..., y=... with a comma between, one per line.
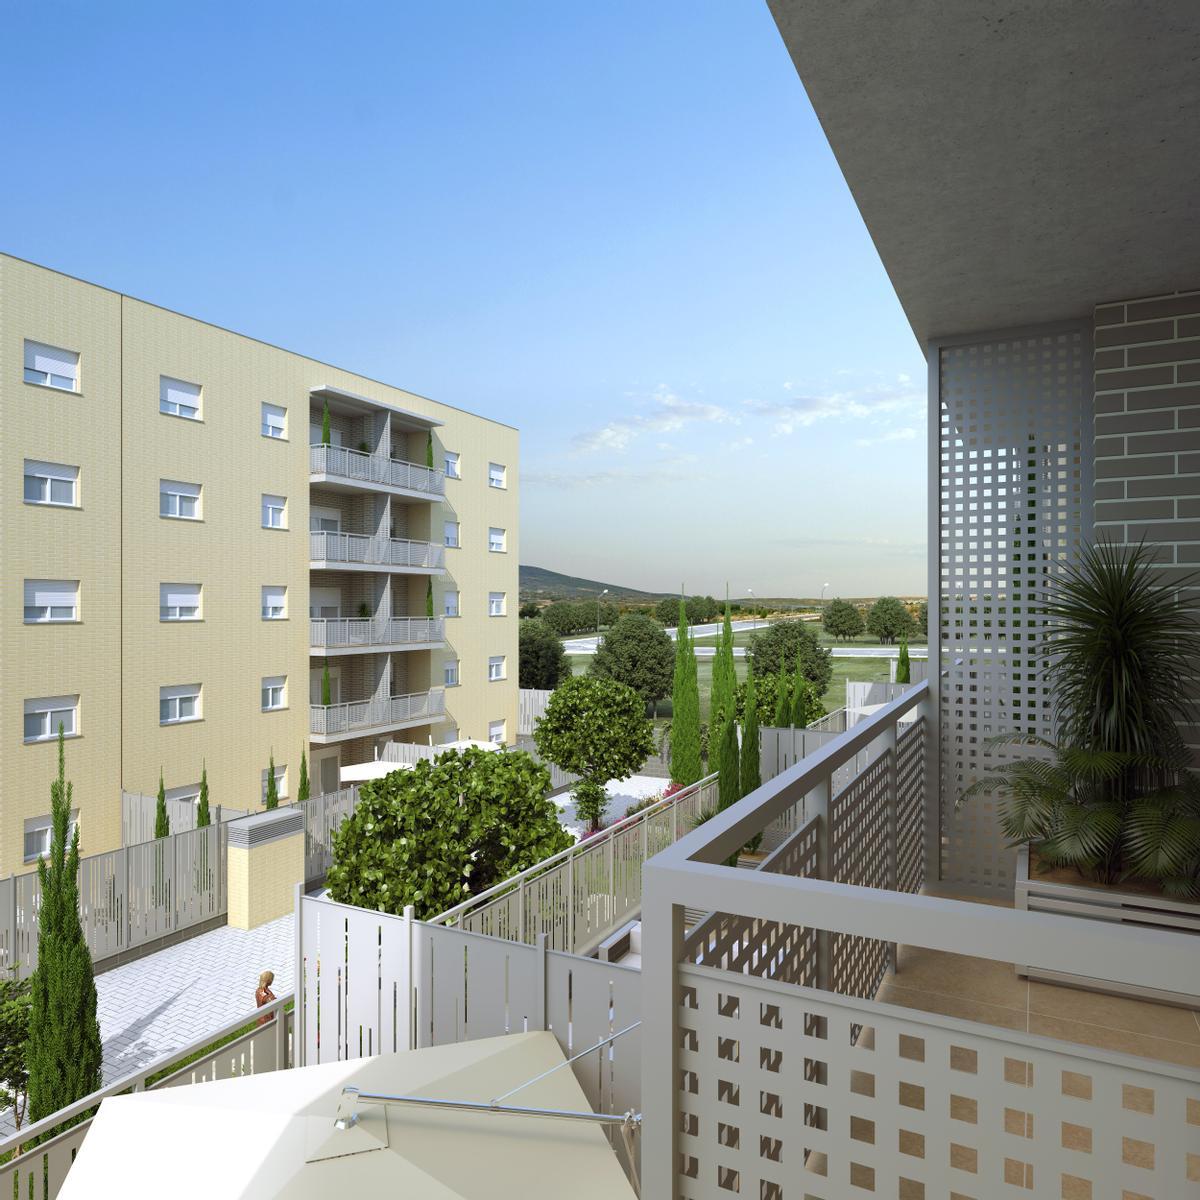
x=51, y=359
x=42, y=593
x=51, y=470
x=175, y=391
x=179, y=595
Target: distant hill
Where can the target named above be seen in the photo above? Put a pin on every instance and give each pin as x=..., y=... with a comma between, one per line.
x=538, y=583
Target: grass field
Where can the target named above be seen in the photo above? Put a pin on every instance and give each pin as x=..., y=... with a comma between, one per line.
x=869, y=669
x=742, y=638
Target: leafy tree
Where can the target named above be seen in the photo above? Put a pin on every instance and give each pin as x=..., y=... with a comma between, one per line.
x=595, y=728
x=702, y=609
x=303, y=787
x=842, y=620
x=751, y=776
x=64, y=1051
x=776, y=649
x=670, y=611
x=528, y=611
x=923, y=618
x=326, y=435
x=686, y=766
x=903, y=670
x=729, y=778
x=272, y=800
x=326, y=686
x=203, y=815
x=162, y=823
x=15, y=1003
x=543, y=661
x=889, y=620
x=444, y=831
x=567, y=617
x=637, y=652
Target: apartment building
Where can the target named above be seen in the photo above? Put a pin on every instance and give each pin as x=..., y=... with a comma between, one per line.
x=202, y=569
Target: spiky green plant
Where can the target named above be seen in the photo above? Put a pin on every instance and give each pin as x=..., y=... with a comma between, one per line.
x=751, y=777
x=303, y=787
x=162, y=822
x=903, y=669
x=326, y=432
x=272, y=800
x=783, y=702
x=729, y=780
x=203, y=815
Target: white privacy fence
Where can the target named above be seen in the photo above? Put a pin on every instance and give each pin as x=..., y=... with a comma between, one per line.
x=375, y=468
x=128, y=898
x=770, y=1068
x=370, y=983
x=531, y=707
x=580, y=896
x=138, y=813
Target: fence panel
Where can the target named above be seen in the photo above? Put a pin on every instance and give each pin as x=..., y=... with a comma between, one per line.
x=323, y=814
x=102, y=903
x=138, y=814
x=531, y=707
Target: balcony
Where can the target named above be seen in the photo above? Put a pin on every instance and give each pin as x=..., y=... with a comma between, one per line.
x=350, y=635
x=370, y=552
x=360, y=718
x=342, y=469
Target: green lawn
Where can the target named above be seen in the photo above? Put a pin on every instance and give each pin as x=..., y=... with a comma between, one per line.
x=742, y=638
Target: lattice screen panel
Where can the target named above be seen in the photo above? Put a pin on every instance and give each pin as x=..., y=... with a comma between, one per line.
x=910, y=808
x=1015, y=500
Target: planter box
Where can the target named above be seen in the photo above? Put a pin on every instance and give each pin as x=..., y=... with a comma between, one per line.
x=1099, y=902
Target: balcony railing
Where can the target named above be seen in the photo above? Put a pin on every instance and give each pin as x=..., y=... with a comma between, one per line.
x=372, y=549
x=331, y=633
x=371, y=714
x=361, y=467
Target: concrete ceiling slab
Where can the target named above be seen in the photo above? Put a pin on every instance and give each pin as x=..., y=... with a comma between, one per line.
x=1014, y=162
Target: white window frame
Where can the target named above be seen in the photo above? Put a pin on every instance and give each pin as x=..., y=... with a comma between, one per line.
x=453, y=464
x=280, y=781
x=497, y=668
x=323, y=519
x=44, y=825
x=169, y=490
x=269, y=507
x=447, y=596
x=498, y=732
x=269, y=612
x=451, y=534
x=497, y=475
x=55, y=709
x=450, y=673
x=43, y=593
x=176, y=407
x=51, y=356
x=170, y=608
x=274, y=417
x=49, y=473
x=497, y=604
x=173, y=697
x=274, y=693
x=497, y=540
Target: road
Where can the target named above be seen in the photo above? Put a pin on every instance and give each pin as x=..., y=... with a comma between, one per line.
x=587, y=645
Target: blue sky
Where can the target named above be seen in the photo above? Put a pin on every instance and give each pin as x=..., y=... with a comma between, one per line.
x=617, y=226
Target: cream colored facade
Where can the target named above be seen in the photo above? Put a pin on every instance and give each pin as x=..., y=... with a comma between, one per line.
x=118, y=654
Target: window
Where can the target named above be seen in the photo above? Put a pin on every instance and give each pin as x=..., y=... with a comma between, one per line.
x=37, y=835
x=179, y=500
x=43, y=717
x=274, y=421
x=189, y=791
x=179, y=602
x=496, y=668
x=51, y=367
x=324, y=520
x=280, y=782
x=496, y=732
x=450, y=531
x=497, y=475
x=51, y=483
x=314, y=435
x=495, y=604
x=497, y=540
x=451, y=604
x=274, y=602
x=274, y=692
x=452, y=469
x=179, y=704
x=449, y=734
x=51, y=600
x=274, y=512
x=178, y=399
x=450, y=673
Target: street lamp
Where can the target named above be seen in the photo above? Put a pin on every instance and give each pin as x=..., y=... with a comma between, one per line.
x=824, y=586
x=753, y=611
x=603, y=593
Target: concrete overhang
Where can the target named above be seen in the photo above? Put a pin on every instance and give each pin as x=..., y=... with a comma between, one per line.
x=1014, y=163
x=351, y=403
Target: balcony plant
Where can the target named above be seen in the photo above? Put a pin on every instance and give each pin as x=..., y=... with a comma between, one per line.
x=1113, y=796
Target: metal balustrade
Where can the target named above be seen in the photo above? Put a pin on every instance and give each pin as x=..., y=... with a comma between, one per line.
x=362, y=467
x=331, y=633
x=373, y=549
x=368, y=714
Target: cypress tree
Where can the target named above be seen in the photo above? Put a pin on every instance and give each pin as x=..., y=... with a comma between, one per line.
x=729, y=782
x=429, y=596
x=800, y=687
x=162, y=823
x=272, y=787
x=751, y=777
x=326, y=434
x=326, y=689
x=724, y=685
x=429, y=449
x=783, y=701
x=685, y=707
x=903, y=669
x=203, y=817
x=63, y=1053
x=302, y=788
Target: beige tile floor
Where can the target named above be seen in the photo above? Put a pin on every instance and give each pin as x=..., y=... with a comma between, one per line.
x=978, y=989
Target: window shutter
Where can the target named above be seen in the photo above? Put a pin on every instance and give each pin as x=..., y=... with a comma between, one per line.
x=51, y=359
x=40, y=593
x=175, y=391
x=181, y=595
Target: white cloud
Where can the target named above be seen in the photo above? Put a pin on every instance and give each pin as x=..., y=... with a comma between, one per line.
x=892, y=435
x=667, y=413
x=801, y=411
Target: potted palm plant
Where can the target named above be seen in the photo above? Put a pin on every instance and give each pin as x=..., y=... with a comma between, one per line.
x=1106, y=817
